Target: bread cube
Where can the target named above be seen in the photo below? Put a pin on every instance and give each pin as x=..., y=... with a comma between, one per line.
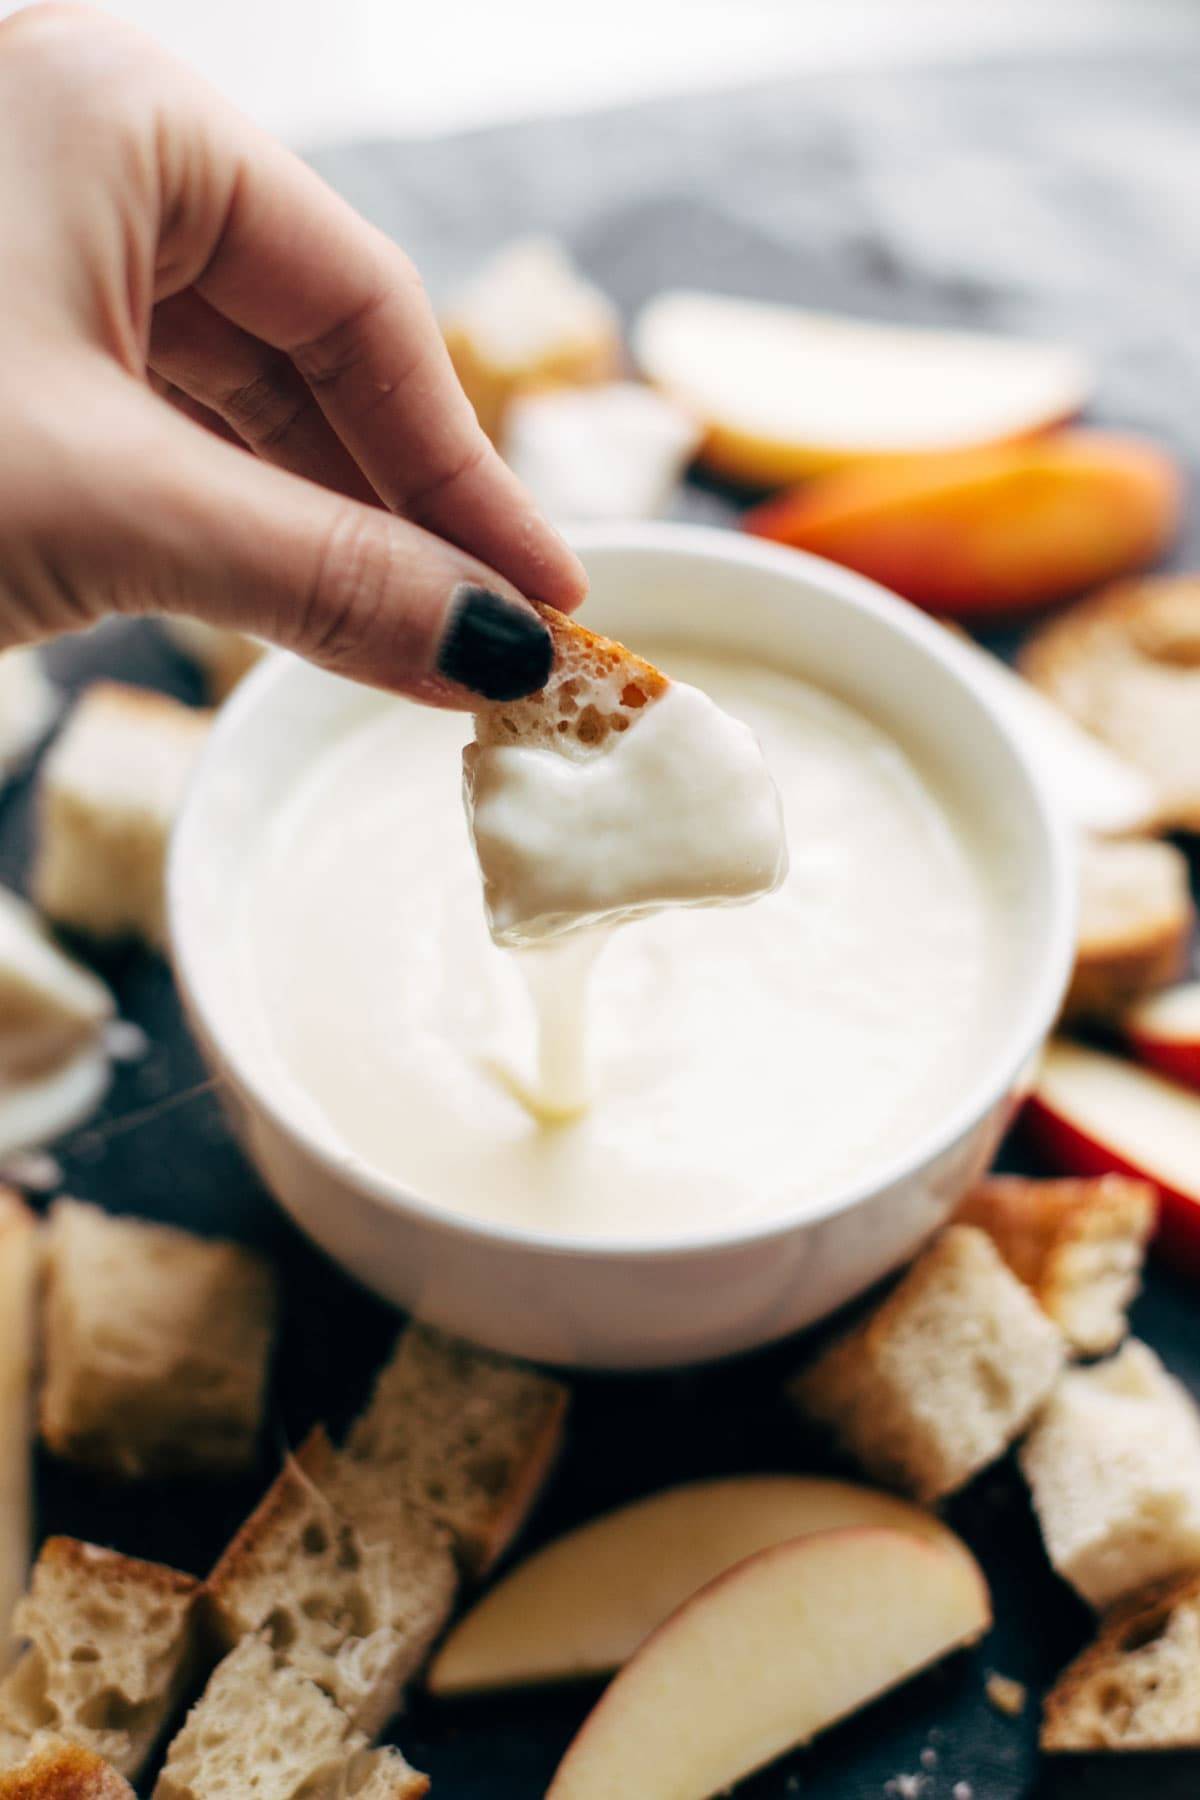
x=1078, y=1245
x=464, y=1435
x=155, y=1345
x=943, y=1375
x=108, y=795
x=612, y=451
x=1135, y=925
x=50, y=1005
x=1137, y=1686
x=261, y=1728
x=1114, y=1467
x=351, y=1592
x=529, y=320
x=109, y=1644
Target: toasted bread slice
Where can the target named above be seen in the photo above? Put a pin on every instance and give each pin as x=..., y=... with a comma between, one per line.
x=943, y=1375
x=1113, y=1464
x=1126, y=664
x=464, y=1435
x=155, y=1345
x=18, y=1283
x=261, y=1728
x=1079, y=1245
x=109, y=1642
x=64, y=1772
x=1135, y=925
x=596, y=688
x=529, y=320
x=1137, y=1686
x=349, y=1589
x=107, y=798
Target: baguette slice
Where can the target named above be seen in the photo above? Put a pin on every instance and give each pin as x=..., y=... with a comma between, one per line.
x=1113, y=1465
x=262, y=1729
x=943, y=1375
x=349, y=1588
x=464, y=1435
x=155, y=1345
x=1079, y=1245
x=18, y=1282
x=109, y=1649
x=107, y=798
x=1137, y=1686
x=1135, y=925
x=64, y=1772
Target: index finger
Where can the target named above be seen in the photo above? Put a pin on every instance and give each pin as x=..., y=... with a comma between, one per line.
x=293, y=264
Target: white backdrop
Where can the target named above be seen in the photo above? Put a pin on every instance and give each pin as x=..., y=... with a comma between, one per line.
x=316, y=71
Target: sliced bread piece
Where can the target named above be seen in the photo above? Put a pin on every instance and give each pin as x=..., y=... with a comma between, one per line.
x=349, y=1588
x=1113, y=1464
x=943, y=1375
x=109, y=1644
x=262, y=1729
x=108, y=794
x=155, y=1344
x=1135, y=925
x=1079, y=1245
x=529, y=320
x=1126, y=664
x=464, y=1435
x=64, y=1772
x=50, y=1005
x=18, y=1285
x=1137, y=1686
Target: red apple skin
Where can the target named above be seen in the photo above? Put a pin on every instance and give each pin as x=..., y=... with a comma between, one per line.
x=1177, y=1239
x=1177, y=1057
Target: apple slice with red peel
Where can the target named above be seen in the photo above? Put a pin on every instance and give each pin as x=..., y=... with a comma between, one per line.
x=583, y=1604
x=772, y=1652
x=1093, y=1114
x=1164, y=1031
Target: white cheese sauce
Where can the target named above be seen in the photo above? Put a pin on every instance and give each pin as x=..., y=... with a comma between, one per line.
x=742, y=1064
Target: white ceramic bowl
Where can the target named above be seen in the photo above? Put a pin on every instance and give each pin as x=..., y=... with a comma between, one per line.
x=642, y=1305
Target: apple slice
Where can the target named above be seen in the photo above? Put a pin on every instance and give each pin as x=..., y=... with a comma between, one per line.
x=784, y=393
x=1164, y=1031
x=582, y=1605
x=1092, y=1114
x=767, y=1655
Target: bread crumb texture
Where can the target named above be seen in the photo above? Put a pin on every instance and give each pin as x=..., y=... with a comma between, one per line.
x=108, y=1644
x=1137, y=1687
x=462, y=1434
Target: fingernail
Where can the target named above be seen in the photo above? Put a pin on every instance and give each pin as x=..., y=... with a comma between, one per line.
x=496, y=647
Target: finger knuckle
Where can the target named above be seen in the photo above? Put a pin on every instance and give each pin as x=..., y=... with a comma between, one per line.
x=262, y=411
x=351, y=584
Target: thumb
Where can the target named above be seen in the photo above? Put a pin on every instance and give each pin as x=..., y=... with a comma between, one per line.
x=231, y=540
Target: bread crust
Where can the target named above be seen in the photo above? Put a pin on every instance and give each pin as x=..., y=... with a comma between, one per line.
x=64, y=1772
x=1135, y=927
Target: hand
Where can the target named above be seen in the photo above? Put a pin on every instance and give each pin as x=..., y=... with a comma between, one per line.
x=155, y=243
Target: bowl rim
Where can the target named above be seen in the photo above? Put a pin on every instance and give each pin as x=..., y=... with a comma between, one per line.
x=998, y=1079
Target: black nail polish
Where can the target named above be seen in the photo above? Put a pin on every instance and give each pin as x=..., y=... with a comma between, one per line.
x=495, y=647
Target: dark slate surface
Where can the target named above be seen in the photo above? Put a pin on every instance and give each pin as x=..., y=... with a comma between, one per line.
x=1055, y=198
